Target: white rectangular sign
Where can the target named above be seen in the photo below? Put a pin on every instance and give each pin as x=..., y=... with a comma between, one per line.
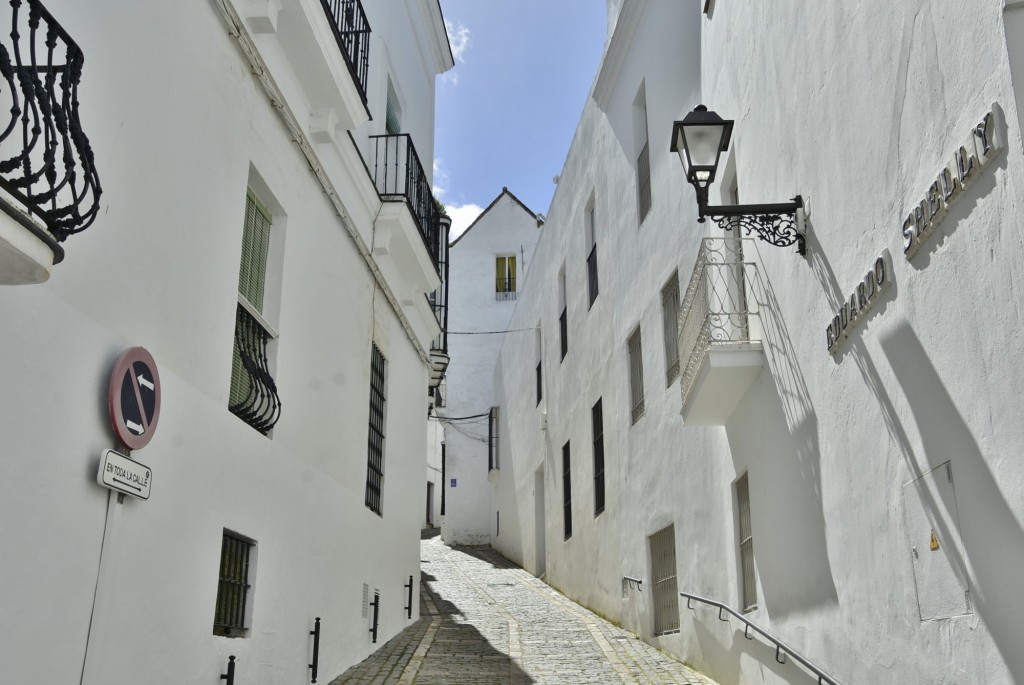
x=122, y=474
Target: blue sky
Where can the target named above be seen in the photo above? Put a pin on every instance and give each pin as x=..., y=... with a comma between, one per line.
x=508, y=110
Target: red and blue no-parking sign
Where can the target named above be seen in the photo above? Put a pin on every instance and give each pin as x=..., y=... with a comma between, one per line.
x=134, y=398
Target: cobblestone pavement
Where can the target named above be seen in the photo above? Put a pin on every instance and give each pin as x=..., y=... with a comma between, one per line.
x=484, y=621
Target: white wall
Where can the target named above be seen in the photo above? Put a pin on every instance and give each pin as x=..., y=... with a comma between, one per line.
x=505, y=228
x=176, y=132
x=859, y=119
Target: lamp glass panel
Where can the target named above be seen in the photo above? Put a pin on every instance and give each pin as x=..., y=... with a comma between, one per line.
x=703, y=143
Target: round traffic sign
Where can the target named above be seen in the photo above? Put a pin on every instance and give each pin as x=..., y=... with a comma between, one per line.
x=134, y=398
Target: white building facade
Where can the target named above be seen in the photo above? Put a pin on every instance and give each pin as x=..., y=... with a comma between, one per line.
x=821, y=442
x=488, y=265
x=287, y=462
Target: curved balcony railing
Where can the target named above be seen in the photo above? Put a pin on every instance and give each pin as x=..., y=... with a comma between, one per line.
x=782, y=650
x=352, y=31
x=46, y=162
x=254, y=397
x=398, y=175
x=716, y=308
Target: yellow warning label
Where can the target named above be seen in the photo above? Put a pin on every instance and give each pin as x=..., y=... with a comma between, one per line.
x=935, y=541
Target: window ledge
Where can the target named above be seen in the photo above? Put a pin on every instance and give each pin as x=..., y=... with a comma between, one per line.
x=25, y=258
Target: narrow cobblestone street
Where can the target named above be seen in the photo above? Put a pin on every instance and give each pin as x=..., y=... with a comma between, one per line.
x=485, y=621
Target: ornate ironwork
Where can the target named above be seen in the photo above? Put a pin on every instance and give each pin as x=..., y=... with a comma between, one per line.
x=352, y=32
x=46, y=161
x=257, y=403
x=778, y=229
x=716, y=308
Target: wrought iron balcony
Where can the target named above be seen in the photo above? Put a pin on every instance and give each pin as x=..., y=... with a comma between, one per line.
x=254, y=396
x=719, y=333
x=398, y=175
x=439, y=304
x=47, y=165
x=352, y=31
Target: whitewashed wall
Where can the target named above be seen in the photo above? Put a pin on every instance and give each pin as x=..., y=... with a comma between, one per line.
x=506, y=227
x=858, y=115
x=180, y=127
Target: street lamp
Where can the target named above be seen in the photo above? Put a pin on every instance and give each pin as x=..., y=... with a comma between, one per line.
x=700, y=139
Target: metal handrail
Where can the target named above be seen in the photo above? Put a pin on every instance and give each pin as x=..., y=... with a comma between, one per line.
x=782, y=650
x=352, y=33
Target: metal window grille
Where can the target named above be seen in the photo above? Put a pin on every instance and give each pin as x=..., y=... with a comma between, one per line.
x=233, y=585
x=492, y=439
x=375, y=449
x=597, y=422
x=592, y=274
x=748, y=582
x=636, y=376
x=563, y=328
x=670, y=320
x=566, y=491
x=643, y=181
x=540, y=382
x=664, y=592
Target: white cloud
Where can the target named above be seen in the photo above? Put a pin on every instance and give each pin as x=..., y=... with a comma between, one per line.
x=459, y=39
x=462, y=216
x=441, y=179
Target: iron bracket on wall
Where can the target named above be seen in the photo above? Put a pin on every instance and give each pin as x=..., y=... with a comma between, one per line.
x=230, y=675
x=408, y=607
x=316, y=648
x=776, y=224
x=376, y=615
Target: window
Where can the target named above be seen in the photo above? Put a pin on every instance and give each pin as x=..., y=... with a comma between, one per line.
x=234, y=588
x=393, y=114
x=566, y=492
x=492, y=439
x=540, y=359
x=589, y=221
x=748, y=583
x=253, y=395
x=563, y=318
x=636, y=375
x=663, y=581
x=378, y=415
x=505, y=277
x=597, y=427
x=643, y=155
x=670, y=320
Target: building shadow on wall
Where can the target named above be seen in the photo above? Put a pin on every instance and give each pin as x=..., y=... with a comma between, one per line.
x=776, y=429
x=992, y=541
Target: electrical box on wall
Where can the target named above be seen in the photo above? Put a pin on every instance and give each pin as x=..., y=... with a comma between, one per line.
x=933, y=532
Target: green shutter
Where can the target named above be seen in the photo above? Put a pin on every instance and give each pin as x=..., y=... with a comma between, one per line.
x=391, y=120
x=255, y=244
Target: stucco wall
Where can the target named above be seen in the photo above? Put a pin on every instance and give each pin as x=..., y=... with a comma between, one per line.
x=180, y=127
x=858, y=116
x=505, y=228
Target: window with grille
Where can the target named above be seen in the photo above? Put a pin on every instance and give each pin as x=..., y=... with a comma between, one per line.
x=590, y=219
x=444, y=474
x=505, y=277
x=664, y=592
x=636, y=376
x=563, y=318
x=378, y=415
x=234, y=590
x=253, y=394
x=492, y=439
x=643, y=158
x=597, y=426
x=748, y=582
x=670, y=321
x=566, y=491
x=393, y=113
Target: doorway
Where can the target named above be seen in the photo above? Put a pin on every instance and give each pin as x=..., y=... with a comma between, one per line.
x=540, y=526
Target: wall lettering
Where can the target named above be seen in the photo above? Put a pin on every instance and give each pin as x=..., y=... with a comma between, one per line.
x=863, y=297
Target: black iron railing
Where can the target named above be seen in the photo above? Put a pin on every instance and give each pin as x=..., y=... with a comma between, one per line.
x=46, y=162
x=398, y=175
x=439, y=298
x=352, y=31
x=254, y=398
x=782, y=650
x=376, y=616
x=230, y=675
x=408, y=605
x=504, y=289
x=315, y=666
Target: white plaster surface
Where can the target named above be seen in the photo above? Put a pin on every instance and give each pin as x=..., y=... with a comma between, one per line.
x=506, y=227
x=856, y=107
x=180, y=126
